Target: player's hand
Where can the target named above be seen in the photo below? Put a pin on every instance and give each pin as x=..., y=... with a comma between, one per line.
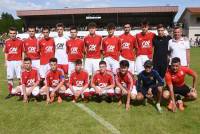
x=193, y=90
x=48, y=101
x=174, y=107
x=127, y=107
x=124, y=91
x=149, y=92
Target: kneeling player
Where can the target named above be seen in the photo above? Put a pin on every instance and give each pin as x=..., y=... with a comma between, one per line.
x=150, y=84
x=102, y=82
x=53, y=82
x=78, y=82
x=29, y=81
x=125, y=84
x=175, y=80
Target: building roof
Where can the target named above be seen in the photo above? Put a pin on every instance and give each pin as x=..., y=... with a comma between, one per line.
x=104, y=10
x=192, y=10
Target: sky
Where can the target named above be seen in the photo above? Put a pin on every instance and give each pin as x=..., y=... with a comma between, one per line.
x=11, y=6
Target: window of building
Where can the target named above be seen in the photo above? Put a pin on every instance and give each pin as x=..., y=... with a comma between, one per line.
x=198, y=19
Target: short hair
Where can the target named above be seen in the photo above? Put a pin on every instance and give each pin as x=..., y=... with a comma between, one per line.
x=60, y=25
x=176, y=60
x=27, y=59
x=110, y=26
x=32, y=27
x=144, y=23
x=124, y=63
x=46, y=28
x=12, y=29
x=160, y=26
x=127, y=23
x=102, y=62
x=53, y=60
x=73, y=28
x=177, y=27
x=148, y=63
x=78, y=62
x=92, y=25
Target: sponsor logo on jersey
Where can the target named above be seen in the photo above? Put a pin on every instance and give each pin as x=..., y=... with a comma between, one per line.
x=102, y=85
x=74, y=50
x=31, y=49
x=60, y=46
x=126, y=45
x=49, y=49
x=55, y=83
x=79, y=83
x=13, y=50
x=30, y=82
x=146, y=44
x=110, y=48
x=92, y=47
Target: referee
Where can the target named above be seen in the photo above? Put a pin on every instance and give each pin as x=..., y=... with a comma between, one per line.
x=160, y=56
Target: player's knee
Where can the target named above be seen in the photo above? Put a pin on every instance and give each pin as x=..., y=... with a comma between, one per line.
x=133, y=96
x=86, y=94
x=166, y=94
x=160, y=89
x=193, y=95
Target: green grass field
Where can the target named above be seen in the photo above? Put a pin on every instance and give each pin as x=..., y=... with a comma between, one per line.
x=67, y=118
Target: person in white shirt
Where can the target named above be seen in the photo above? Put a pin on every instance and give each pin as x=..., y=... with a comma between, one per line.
x=61, y=48
x=179, y=47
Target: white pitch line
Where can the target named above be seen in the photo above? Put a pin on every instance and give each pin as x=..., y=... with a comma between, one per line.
x=103, y=122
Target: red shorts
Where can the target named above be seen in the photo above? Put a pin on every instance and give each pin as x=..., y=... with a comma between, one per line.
x=63, y=67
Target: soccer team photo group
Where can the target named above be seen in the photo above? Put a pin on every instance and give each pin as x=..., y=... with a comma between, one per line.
x=122, y=70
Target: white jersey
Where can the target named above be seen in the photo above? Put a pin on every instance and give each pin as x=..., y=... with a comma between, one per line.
x=178, y=49
x=60, y=50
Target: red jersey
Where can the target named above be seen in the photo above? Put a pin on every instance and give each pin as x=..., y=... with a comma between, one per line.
x=75, y=49
x=29, y=78
x=111, y=47
x=103, y=79
x=178, y=79
x=126, y=80
x=30, y=47
x=13, y=49
x=127, y=46
x=53, y=78
x=47, y=50
x=93, y=46
x=79, y=79
x=145, y=45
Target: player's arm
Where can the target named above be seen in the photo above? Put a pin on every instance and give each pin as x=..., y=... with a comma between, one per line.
x=119, y=84
x=5, y=53
x=112, y=81
x=86, y=84
x=130, y=86
x=171, y=89
x=188, y=57
x=194, y=77
x=71, y=84
x=93, y=85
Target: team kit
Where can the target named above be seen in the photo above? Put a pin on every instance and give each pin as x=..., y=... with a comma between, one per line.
x=125, y=68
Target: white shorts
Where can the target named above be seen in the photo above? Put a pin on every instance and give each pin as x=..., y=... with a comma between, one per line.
x=104, y=92
x=133, y=91
x=92, y=65
x=112, y=64
x=19, y=90
x=139, y=63
x=43, y=70
x=68, y=91
x=13, y=69
x=131, y=64
x=36, y=64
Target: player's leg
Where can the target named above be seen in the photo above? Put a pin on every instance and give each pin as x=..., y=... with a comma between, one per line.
x=86, y=94
x=157, y=92
x=10, y=76
x=95, y=65
x=115, y=65
x=36, y=64
x=108, y=63
x=118, y=93
x=71, y=66
x=88, y=66
x=133, y=93
x=61, y=93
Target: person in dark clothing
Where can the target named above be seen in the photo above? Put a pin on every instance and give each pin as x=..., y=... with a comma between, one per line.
x=160, y=56
x=150, y=85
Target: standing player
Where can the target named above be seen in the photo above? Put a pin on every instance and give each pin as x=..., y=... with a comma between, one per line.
x=180, y=47
x=128, y=47
x=125, y=84
x=47, y=51
x=60, y=48
x=102, y=82
x=13, y=58
x=29, y=81
x=78, y=82
x=75, y=48
x=160, y=55
x=144, y=46
x=30, y=46
x=175, y=80
x=111, y=49
x=93, y=49
x=150, y=85
x=54, y=82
